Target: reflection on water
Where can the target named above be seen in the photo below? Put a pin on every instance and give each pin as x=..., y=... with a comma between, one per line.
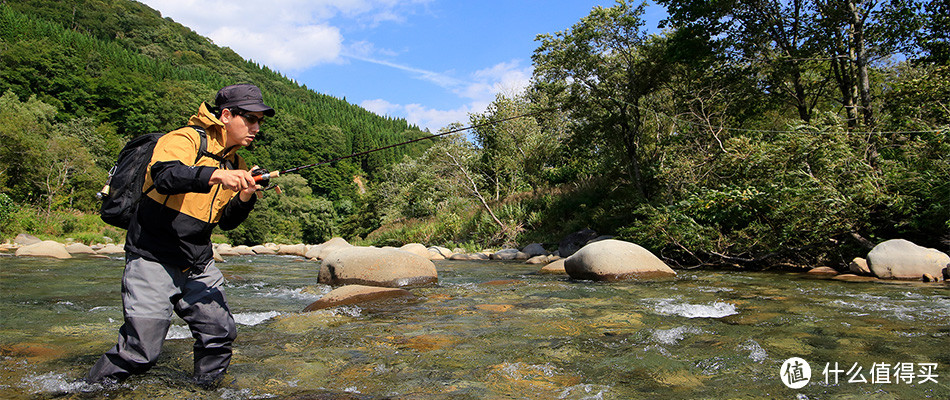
x=491, y=330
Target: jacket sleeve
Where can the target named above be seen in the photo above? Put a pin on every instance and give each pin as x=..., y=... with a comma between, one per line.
x=236, y=212
x=170, y=169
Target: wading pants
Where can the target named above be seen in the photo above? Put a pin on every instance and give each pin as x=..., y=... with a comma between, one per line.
x=150, y=293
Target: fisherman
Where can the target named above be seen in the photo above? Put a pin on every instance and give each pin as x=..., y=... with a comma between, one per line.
x=169, y=263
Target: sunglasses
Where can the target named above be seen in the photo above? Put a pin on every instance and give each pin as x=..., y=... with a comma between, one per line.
x=251, y=119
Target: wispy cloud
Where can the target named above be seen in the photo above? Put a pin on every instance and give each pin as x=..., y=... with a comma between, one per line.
x=287, y=35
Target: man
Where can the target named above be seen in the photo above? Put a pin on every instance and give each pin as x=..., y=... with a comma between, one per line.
x=169, y=263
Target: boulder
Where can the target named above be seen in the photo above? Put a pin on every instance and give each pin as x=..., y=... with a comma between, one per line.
x=534, y=249
x=353, y=294
x=442, y=251
x=26, y=239
x=323, y=250
x=225, y=250
x=216, y=256
x=573, y=242
x=262, y=249
x=613, y=260
x=416, y=248
x=505, y=254
x=79, y=248
x=376, y=267
x=901, y=259
x=538, y=260
x=45, y=248
x=244, y=250
x=859, y=266
x=292, y=249
x=556, y=267
x=111, y=249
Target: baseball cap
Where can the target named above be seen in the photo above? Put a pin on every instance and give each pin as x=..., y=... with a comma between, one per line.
x=244, y=96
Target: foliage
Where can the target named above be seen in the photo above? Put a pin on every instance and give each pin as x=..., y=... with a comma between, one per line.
x=295, y=216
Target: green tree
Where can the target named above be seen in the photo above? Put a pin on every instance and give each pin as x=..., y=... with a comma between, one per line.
x=608, y=68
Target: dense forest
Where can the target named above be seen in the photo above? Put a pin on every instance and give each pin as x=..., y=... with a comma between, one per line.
x=78, y=79
x=751, y=133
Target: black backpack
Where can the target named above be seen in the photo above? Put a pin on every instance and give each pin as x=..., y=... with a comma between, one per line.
x=123, y=189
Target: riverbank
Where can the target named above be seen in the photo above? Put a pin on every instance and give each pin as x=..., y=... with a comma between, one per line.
x=890, y=260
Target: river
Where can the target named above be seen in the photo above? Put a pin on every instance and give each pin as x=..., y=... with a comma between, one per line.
x=492, y=329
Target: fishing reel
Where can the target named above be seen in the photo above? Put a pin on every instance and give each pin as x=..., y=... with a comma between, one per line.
x=262, y=177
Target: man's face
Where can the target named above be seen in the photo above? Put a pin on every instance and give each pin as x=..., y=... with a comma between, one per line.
x=241, y=129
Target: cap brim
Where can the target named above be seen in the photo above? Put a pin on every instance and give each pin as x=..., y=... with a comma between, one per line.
x=259, y=107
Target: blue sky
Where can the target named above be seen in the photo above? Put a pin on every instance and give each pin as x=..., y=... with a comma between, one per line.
x=432, y=62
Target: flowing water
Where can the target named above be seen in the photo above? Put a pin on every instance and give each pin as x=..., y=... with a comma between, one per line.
x=492, y=330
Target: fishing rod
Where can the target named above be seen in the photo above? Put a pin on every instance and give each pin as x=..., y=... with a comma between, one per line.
x=274, y=174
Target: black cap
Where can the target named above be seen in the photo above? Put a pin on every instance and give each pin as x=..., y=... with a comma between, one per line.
x=244, y=96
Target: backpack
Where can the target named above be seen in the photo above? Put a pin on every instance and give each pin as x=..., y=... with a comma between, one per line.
x=123, y=190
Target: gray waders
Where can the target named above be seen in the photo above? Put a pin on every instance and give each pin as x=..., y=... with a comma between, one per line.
x=150, y=293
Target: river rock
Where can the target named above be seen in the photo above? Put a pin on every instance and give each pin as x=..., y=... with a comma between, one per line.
x=854, y=278
x=45, y=248
x=377, y=267
x=262, y=249
x=902, y=259
x=573, y=242
x=442, y=251
x=469, y=256
x=26, y=239
x=509, y=254
x=534, y=249
x=822, y=271
x=859, y=266
x=353, y=294
x=556, y=267
x=323, y=250
x=613, y=260
x=111, y=248
x=244, y=250
x=225, y=250
x=79, y=248
x=416, y=248
x=216, y=256
x=292, y=249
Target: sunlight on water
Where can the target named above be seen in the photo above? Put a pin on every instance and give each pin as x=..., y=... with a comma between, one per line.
x=486, y=330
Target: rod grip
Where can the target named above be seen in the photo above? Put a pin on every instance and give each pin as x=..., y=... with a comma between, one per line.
x=272, y=174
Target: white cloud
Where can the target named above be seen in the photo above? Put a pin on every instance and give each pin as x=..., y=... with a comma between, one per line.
x=287, y=35
x=480, y=90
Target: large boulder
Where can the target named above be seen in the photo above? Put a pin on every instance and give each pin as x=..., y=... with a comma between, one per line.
x=225, y=250
x=292, y=249
x=263, y=250
x=46, y=248
x=442, y=251
x=79, y=248
x=377, y=267
x=416, y=248
x=353, y=294
x=901, y=259
x=573, y=242
x=321, y=251
x=613, y=260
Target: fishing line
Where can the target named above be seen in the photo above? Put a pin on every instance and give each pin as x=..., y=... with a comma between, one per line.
x=274, y=174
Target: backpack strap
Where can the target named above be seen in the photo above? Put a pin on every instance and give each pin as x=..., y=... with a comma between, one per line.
x=203, y=149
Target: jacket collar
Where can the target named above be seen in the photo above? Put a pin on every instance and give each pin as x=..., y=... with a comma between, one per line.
x=214, y=128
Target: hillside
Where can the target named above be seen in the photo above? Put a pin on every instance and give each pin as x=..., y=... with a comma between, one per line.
x=123, y=70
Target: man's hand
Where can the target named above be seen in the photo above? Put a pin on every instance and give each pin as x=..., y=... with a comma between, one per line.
x=237, y=180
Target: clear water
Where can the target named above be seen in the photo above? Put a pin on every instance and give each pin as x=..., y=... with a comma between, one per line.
x=490, y=330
